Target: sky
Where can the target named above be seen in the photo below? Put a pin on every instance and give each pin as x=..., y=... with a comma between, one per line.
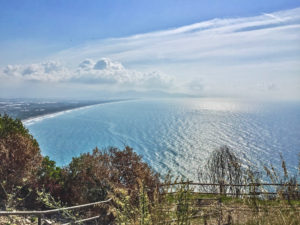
x=94, y=49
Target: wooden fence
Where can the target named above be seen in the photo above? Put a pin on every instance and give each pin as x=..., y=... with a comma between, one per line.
x=219, y=213
x=220, y=186
x=41, y=214
x=290, y=188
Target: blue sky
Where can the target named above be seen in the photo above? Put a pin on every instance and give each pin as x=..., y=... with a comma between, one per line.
x=83, y=20
x=126, y=37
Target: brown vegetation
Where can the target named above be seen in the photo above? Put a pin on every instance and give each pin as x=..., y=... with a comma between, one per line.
x=20, y=155
x=91, y=176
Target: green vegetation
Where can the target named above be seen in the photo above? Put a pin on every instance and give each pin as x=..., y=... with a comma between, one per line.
x=139, y=196
x=19, y=155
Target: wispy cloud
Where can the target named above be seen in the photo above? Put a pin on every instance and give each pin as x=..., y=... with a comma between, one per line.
x=242, y=37
x=224, y=56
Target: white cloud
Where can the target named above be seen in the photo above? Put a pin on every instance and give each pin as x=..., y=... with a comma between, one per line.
x=103, y=72
x=50, y=71
x=108, y=72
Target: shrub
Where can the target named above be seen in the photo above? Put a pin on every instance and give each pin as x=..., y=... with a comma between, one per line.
x=19, y=154
x=51, y=178
x=87, y=178
x=91, y=175
x=129, y=170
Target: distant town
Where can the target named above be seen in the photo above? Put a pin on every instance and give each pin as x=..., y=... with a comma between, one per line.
x=29, y=108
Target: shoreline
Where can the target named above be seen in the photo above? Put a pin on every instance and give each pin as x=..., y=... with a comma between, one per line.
x=32, y=120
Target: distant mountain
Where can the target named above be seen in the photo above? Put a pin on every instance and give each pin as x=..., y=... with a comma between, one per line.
x=150, y=94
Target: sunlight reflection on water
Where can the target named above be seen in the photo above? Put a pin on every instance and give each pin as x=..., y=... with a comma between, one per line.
x=176, y=134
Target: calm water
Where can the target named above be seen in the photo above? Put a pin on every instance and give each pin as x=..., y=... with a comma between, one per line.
x=175, y=134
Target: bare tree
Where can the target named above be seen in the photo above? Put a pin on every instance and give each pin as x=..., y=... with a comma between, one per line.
x=222, y=167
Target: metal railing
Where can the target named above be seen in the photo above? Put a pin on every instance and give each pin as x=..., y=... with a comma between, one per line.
x=41, y=214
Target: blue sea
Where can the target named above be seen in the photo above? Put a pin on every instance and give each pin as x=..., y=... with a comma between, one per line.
x=176, y=134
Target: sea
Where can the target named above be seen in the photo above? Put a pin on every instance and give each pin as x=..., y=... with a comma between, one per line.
x=176, y=135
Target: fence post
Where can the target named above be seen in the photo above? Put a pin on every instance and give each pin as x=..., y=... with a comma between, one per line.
x=157, y=193
x=222, y=187
x=229, y=219
x=39, y=219
x=254, y=191
x=221, y=213
x=237, y=192
x=289, y=192
x=205, y=219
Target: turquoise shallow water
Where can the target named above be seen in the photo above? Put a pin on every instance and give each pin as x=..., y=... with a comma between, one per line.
x=175, y=134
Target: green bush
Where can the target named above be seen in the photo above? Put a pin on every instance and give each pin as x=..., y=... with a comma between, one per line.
x=51, y=178
x=20, y=155
x=10, y=126
x=91, y=176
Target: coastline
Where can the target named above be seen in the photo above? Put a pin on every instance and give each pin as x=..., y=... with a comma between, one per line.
x=31, y=120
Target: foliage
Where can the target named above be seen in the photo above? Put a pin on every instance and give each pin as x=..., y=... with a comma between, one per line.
x=144, y=205
x=144, y=212
x=275, y=217
x=172, y=204
x=19, y=154
x=10, y=126
x=51, y=178
x=14, y=199
x=123, y=210
x=87, y=178
x=183, y=209
x=47, y=200
x=289, y=188
x=128, y=169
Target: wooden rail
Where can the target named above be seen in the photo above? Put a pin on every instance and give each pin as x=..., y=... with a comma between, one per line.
x=40, y=214
x=238, y=192
x=221, y=186
x=231, y=185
